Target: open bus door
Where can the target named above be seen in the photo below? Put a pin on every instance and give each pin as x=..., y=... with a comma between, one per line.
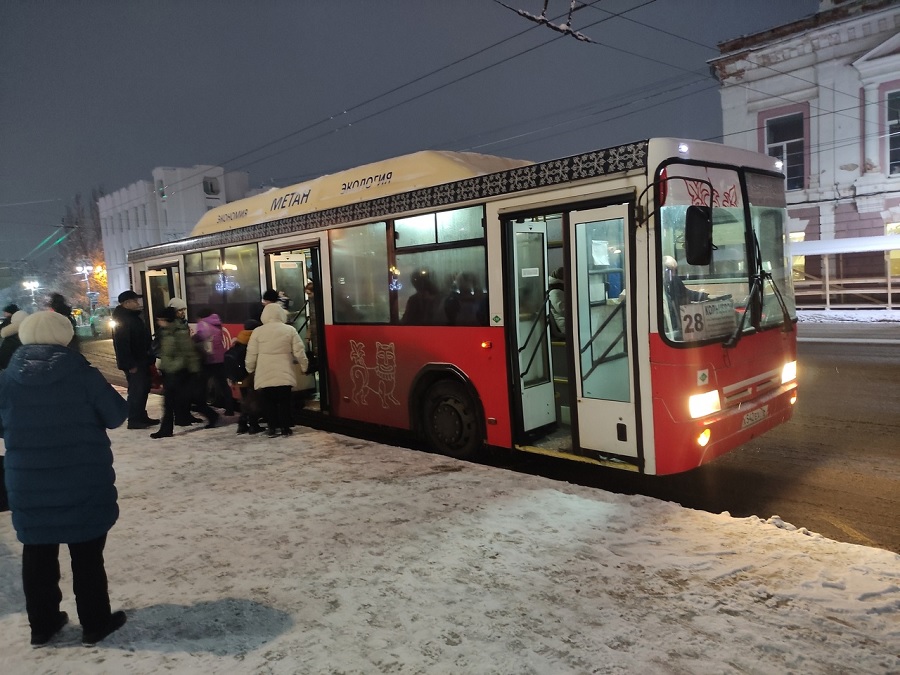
x=289, y=274
x=534, y=374
x=157, y=293
x=601, y=353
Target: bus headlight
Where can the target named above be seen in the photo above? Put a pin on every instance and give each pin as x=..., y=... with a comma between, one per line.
x=704, y=404
x=789, y=372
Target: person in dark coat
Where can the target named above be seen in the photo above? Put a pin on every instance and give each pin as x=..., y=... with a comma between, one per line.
x=132, y=343
x=421, y=305
x=180, y=362
x=674, y=286
x=59, y=305
x=236, y=371
x=10, y=336
x=55, y=409
x=8, y=311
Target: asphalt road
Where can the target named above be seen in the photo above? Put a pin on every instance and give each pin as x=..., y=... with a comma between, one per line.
x=834, y=469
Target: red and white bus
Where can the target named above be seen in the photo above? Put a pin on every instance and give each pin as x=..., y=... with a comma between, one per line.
x=432, y=276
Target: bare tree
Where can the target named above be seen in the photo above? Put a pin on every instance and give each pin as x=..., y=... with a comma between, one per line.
x=80, y=244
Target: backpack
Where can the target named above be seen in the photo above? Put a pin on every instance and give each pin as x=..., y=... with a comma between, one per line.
x=235, y=363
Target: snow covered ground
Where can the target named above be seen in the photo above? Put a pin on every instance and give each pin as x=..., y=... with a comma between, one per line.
x=849, y=316
x=325, y=554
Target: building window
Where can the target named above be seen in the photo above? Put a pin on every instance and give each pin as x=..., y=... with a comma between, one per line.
x=893, y=130
x=784, y=140
x=211, y=186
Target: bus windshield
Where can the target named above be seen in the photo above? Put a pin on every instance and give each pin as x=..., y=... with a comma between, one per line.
x=705, y=302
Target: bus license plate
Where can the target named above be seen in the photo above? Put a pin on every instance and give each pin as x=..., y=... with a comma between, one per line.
x=755, y=416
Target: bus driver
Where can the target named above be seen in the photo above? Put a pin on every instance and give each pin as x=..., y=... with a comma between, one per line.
x=674, y=286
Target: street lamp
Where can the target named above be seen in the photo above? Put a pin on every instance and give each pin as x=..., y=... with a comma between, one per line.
x=31, y=286
x=86, y=270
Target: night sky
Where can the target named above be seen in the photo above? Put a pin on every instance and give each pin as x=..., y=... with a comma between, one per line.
x=97, y=93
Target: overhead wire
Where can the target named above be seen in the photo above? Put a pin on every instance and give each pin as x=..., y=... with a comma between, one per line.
x=373, y=99
x=701, y=75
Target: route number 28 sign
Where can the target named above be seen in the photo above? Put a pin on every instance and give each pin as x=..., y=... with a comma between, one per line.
x=708, y=319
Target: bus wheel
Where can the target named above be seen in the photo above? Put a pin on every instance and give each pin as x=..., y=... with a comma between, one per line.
x=451, y=420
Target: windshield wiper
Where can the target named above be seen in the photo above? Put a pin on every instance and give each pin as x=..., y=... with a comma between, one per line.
x=756, y=295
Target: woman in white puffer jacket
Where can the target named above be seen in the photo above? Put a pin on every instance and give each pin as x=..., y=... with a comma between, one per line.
x=272, y=351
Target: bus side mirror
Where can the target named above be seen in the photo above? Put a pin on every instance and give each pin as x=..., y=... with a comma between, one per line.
x=698, y=244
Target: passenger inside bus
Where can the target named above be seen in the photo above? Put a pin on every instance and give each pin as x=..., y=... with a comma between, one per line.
x=556, y=295
x=674, y=286
x=466, y=304
x=311, y=322
x=422, y=305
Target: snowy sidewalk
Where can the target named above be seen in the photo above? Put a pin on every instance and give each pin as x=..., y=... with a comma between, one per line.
x=324, y=554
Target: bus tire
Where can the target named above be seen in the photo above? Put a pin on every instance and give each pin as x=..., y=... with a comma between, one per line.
x=450, y=420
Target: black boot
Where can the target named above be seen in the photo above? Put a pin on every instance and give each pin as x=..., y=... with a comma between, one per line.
x=286, y=431
x=255, y=428
x=242, y=425
x=272, y=432
x=41, y=637
x=212, y=417
x=91, y=637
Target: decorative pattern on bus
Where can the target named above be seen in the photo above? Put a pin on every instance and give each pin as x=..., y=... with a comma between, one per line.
x=700, y=195
x=544, y=174
x=384, y=371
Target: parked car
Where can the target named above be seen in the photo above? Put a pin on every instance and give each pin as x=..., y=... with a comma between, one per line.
x=102, y=323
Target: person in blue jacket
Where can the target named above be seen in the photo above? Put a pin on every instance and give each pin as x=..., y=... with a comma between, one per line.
x=55, y=409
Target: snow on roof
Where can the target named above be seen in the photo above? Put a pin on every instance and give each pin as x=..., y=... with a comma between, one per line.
x=391, y=176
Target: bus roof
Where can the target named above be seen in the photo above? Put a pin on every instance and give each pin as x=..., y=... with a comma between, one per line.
x=388, y=177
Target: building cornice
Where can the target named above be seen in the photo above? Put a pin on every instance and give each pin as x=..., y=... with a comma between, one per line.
x=827, y=19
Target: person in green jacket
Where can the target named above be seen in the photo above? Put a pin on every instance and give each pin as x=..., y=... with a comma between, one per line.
x=179, y=362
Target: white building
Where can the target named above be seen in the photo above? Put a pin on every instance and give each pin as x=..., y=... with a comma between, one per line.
x=165, y=209
x=823, y=94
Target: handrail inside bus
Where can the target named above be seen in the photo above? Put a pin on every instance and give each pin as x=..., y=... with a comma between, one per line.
x=602, y=358
x=543, y=314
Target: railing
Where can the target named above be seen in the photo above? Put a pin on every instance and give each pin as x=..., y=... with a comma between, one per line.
x=861, y=292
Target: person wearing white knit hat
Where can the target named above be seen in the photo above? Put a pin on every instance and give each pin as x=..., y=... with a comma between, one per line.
x=45, y=328
x=180, y=307
x=55, y=409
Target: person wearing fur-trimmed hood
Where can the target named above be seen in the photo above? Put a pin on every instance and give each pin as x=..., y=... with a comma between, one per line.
x=272, y=351
x=55, y=409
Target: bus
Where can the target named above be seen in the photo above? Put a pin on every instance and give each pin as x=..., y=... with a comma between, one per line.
x=432, y=286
